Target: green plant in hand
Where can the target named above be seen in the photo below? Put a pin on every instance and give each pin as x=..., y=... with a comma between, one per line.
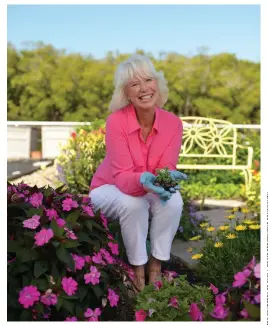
x=164, y=179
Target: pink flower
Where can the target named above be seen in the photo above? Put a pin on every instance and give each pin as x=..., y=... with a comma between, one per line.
x=220, y=299
x=71, y=319
x=108, y=257
x=244, y=313
x=70, y=234
x=257, y=298
x=92, y=314
x=32, y=223
x=88, y=259
x=36, y=200
x=86, y=200
x=158, y=285
x=104, y=221
x=113, y=248
x=88, y=210
x=241, y=278
x=173, y=302
x=113, y=297
x=97, y=258
x=110, y=237
x=257, y=271
x=68, y=204
x=49, y=298
x=93, y=276
x=251, y=264
x=170, y=275
x=214, y=289
x=195, y=312
x=69, y=285
x=43, y=236
x=52, y=213
x=140, y=315
x=28, y=296
x=219, y=312
x=79, y=262
x=60, y=222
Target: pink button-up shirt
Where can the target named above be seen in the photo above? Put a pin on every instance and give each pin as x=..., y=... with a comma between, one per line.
x=128, y=156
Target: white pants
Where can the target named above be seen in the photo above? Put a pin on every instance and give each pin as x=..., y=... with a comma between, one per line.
x=133, y=214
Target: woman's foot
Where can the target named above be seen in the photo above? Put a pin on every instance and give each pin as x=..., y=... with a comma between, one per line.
x=139, y=278
x=154, y=269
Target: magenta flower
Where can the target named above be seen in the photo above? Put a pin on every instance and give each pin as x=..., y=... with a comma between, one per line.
x=49, y=298
x=173, y=302
x=113, y=248
x=110, y=237
x=195, y=312
x=71, y=319
x=86, y=200
x=92, y=314
x=92, y=277
x=32, y=223
x=244, y=313
x=52, y=213
x=79, y=262
x=69, y=285
x=28, y=296
x=214, y=289
x=108, y=257
x=113, y=297
x=140, y=315
x=241, y=278
x=88, y=259
x=257, y=271
x=219, y=312
x=220, y=299
x=88, y=210
x=251, y=264
x=60, y=222
x=257, y=298
x=104, y=221
x=170, y=275
x=97, y=258
x=36, y=200
x=70, y=234
x=43, y=236
x=68, y=204
x=158, y=285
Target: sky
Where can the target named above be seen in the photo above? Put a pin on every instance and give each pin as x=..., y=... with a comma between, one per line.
x=97, y=29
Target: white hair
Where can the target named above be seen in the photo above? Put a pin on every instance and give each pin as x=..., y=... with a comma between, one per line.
x=136, y=65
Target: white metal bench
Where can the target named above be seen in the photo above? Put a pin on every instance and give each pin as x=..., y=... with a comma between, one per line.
x=217, y=139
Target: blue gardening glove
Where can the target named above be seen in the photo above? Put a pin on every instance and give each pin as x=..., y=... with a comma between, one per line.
x=175, y=174
x=147, y=180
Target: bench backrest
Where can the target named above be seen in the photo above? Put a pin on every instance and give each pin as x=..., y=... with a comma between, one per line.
x=208, y=137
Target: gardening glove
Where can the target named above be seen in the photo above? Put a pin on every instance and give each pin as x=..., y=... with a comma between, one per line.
x=147, y=180
x=175, y=174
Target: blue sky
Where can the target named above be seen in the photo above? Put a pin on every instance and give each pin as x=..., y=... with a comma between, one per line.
x=97, y=29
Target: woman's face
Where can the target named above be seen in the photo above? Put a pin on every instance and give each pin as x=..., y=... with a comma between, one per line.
x=142, y=92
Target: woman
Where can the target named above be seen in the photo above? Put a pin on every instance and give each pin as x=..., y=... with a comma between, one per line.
x=140, y=138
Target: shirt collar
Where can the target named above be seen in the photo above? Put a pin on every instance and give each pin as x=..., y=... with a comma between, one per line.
x=133, y=122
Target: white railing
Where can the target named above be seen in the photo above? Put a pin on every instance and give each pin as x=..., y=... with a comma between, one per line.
x=22, y=136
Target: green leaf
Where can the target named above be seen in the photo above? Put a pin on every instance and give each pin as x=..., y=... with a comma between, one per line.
x=31, y=212
x=64, y=296
x=26, y=255
x=253, y=310
x=98, y=291
x=88, y=224
x=26, y=315
x=82, y=236
x=72, y=217
x=65, y=257
x=12, y=246
x=59, y=303
x=58, y=231
x=48, y=191
x=68, y=305
x=40, y=267
x=98, y=227
x=82, y=293
x=55, y=272
x=71, y=244
x=42, y=284
x=79, y=311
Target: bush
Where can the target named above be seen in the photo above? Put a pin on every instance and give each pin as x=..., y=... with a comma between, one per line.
x=169, y=299
x=62, y=260
x=226, y=252
x=79, y=159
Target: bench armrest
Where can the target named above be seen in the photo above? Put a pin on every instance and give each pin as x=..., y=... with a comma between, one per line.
x=250, y=154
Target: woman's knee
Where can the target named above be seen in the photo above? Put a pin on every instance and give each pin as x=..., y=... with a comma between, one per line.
x=175, y=203
x=133, y=205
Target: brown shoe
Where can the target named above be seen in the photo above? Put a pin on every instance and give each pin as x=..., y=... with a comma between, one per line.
x=138, y=282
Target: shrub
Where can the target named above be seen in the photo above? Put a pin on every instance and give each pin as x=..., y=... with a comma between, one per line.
x=62, y=260
x=79, y=158
x=169, y=299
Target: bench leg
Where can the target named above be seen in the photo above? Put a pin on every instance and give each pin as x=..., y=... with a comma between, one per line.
x=248, y=180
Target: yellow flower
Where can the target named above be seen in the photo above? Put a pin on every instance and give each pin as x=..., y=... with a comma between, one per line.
x=245, y=210
x=231, y=236
x=218, y=244
x=195, y=238
x=231, y=216
x=240, y=228
x=189, y=249
x=254, y=227
x=203, y=224
x=235, y=209
x=197, y=256
x=210, y=229
x=223, y=228
x=248, y=222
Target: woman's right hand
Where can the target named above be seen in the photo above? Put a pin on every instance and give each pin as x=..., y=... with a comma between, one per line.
x=147, y=180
